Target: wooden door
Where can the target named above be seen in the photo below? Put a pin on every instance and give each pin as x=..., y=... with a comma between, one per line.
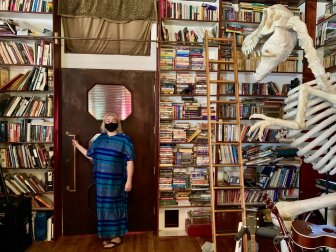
x=79, y=212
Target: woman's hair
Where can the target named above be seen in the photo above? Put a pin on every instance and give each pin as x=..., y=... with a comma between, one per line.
x=102, y=126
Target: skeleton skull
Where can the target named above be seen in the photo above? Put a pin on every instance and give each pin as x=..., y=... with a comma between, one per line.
x=279, y=43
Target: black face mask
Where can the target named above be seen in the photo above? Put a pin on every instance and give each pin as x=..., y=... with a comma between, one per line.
x=111, y=126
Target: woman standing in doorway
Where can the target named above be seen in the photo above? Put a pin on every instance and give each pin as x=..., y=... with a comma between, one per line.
x=112, y=154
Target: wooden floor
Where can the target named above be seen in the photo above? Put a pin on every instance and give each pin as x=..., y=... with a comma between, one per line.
x=140, y=242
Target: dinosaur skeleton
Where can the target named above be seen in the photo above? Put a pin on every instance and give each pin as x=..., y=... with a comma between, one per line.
x=310, y=112
x=310, y=108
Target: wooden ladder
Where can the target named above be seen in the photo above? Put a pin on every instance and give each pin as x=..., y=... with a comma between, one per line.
x=225, y=150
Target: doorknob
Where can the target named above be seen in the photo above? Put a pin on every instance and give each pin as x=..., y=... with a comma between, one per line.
x=74, y=188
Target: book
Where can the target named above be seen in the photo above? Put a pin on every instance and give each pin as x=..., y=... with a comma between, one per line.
x=47, y=202
x=49, y=180
x=4, y=76
x=13, y=106
x=37, y=183
x=11, y=82
x=21, y=183
x=12, y=187
x=194, y=135
x=19, y=82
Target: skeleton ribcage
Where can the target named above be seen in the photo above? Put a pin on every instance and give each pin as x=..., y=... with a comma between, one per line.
x=317, y=143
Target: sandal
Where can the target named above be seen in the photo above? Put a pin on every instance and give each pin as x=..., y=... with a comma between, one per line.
x=111, y=244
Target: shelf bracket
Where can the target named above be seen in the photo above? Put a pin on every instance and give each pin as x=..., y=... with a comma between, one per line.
x=56, y=41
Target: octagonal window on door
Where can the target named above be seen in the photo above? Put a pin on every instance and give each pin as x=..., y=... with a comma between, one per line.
x=103, y=98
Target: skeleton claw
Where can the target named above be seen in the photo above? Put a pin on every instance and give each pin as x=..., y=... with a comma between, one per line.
x=258, y=116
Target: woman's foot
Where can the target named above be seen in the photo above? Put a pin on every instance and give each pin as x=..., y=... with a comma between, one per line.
x=114, y=242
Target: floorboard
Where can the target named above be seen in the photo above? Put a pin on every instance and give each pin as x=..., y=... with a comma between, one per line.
x=139, y=242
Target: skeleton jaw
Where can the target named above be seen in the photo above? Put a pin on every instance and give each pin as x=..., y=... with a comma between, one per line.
x=275, y=50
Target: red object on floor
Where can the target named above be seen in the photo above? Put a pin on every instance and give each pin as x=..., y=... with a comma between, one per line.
x=198, y=230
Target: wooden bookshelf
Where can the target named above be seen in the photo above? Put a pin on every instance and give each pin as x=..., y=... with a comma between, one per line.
x=34, y=56
x=183, y=111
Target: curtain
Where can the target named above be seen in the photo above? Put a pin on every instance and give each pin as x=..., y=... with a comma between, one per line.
x=114, y=20
x=97, y=28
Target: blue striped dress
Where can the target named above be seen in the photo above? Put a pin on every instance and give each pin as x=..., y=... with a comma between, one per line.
x=110, y=154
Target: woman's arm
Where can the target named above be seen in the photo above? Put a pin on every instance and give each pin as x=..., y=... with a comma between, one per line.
x=80, y=148
x=130, y=170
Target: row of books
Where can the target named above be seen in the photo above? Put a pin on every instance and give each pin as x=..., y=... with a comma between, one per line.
x=325, y=33
x=171, y=155
x=7, y=28
x=256, y=155
x=250, y=64
x=257, y=196
x=329, y=58
x=170, y=109
x=269, y=135
x=182, y=58
x=175, y=83
x=248, y=107
x=178, y=83
x=38, y=53
x=27, y=5
x=186, y=11
x=188, y=108
x=227, y=197
x=20, y=106
x=25, y=156
x=42, y=201
x=268, y=88
x=185, y=198
x=284, y=177
x=227, y=153
x=36, y=79
x=22, y=183
x=246, y=12
x=227, y=111
x=250, y=12
x=261, y=157
x=183, y=178
x=26, y=130
x=227, y=132
x=189, y=35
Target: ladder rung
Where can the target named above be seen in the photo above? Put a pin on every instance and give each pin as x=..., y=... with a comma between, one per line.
x=227, y=187
x=225, y=165
x=233, y=123
x=221, y=39
x=225, y=143
x=224, y=102
x=229, y=210
x=221, y=62
x=226, y=234
x=222, y=81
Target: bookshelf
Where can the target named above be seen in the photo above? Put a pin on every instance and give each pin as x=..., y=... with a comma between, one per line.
x=267, y=166
x=325, y=37
x=28, y=110
x=183, y=163
x=266, y=97
x=182, y=91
